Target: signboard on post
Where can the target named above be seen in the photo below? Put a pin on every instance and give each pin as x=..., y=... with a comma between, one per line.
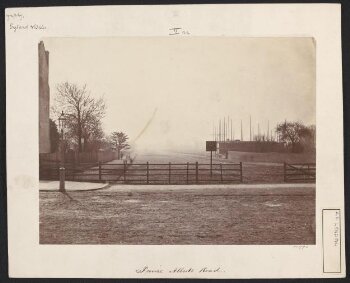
x=210, y=145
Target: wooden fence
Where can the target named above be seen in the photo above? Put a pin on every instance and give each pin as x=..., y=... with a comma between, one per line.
x=299, y=172
x=167, y=173
x=148, y=173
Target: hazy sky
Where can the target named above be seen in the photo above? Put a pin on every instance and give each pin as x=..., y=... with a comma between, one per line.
x=175, y=88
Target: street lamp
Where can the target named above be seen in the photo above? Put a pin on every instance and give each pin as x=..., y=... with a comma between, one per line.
x=82, y=141
x=61, y=127
x=61, y=124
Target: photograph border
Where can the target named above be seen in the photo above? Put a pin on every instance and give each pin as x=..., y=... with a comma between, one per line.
x=345, y=43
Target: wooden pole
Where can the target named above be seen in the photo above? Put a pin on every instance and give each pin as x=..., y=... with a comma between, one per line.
x=221, y=172
x=228, y=128
x=73, y=169
x=224, y=129
x=187, y=174
x=250, y=128
x=169, y=171
x=233, y=133
x=124, y=172
x=99, y=171
x=241, y=171
x=147, y=172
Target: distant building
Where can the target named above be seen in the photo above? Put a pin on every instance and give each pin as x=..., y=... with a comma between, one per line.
x=44, y=100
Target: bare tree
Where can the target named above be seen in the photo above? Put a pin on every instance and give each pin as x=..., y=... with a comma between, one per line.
x=120, y=141
x=83, y=112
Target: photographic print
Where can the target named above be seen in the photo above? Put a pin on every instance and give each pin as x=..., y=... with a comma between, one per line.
x=177, y=141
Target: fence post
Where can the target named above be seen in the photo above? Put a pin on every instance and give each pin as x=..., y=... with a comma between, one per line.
x=241, y=171
x=124, y=172
x=284, y=172
x=221, y=172
x=50, y=170
x=58, y=168
x=169, y=171
x=73, y=170
x=147, y=173
x=197, y=172
x=187, y=174
x=99, y=171
x=62, y=173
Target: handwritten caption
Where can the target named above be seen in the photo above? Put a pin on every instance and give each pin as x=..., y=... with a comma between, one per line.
x=17, y=23
x=177, y=270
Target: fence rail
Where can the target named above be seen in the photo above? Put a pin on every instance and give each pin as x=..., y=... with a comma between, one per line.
x=300, y=172
x=167, y=173
x=147, y=173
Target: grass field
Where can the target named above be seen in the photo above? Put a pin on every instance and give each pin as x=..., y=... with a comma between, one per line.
x=125, y=214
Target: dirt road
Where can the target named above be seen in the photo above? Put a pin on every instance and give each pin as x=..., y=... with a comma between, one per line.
x=185, y=215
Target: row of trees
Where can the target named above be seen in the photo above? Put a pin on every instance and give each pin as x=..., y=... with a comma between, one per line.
x=83, y=121
x=84, y=132
x=296, y=136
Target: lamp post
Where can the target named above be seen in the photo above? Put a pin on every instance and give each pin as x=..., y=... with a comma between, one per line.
x=82, y=143
x=61, y=126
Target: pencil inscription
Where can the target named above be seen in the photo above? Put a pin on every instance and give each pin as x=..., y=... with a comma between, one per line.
x=178, y=31
x=18, y=24
x=17, y=27
x=15, y=16
x=205, y=269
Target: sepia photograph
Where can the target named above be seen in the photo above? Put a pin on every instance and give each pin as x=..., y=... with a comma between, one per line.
x=177, y=140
